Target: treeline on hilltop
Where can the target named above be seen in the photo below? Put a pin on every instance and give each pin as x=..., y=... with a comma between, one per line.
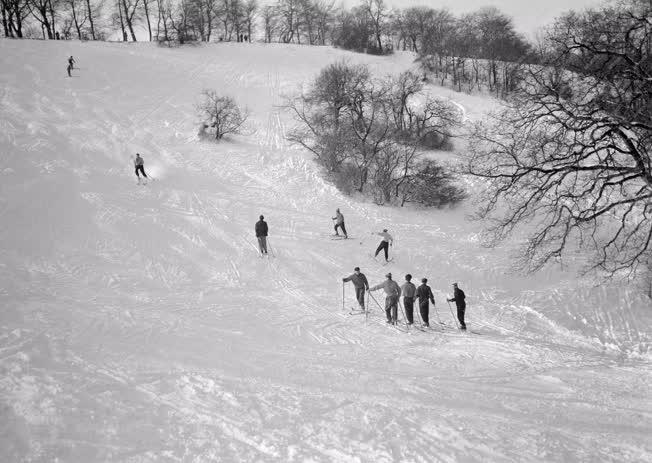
x=472, y=51
x=370, y=27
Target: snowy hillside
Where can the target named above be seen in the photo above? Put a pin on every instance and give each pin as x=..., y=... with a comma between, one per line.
x=137, y=323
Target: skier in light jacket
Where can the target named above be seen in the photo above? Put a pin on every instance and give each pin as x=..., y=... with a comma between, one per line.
x=384, y=244
x=139, y=165
x=339, y=223
x=360, y=283
x=409, y=291
x=392, y=293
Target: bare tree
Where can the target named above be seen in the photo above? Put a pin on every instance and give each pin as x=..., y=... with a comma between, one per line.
x=14, y=13
x=42, y=11
x=358, y=129
x=288, y=15
x=249, y=14
x=270, y=22
x=221, y=114
x=324, y=19
x=378, y=15
x=571, y=153
x=146, y=12
x=129, y=8
x=77, y=15
x=91, y=21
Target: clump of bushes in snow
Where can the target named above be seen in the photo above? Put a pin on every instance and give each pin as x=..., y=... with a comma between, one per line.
x=221, y=115
x=371, y=135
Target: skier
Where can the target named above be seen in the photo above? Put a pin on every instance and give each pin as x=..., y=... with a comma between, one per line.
x=339, y=222
x=139, y=164
x=392, y=293
x=71, y=62
x=459, y=298
x=409, y=291
x=384, y=244
x=424, y=293
x=261, y=234
x=360, y=283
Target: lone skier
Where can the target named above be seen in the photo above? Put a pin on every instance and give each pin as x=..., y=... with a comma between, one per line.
x=339, y=222
x=71, y=63
x=384, y=245
x=360, y=284
x=459, y=298
x=424, y=294
x=392, y=293
x=261, y=234
x=409, y=291
x=139, y=164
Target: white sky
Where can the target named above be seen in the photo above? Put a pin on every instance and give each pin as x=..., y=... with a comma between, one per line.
x=529, y=16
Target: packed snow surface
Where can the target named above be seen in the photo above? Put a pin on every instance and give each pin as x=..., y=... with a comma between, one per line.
x=139, y=324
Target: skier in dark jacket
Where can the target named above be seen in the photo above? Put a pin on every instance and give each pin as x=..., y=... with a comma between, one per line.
x=459, y=298
x=360, y=284
x=409, y=291
x=71, y=65
x=139, y=164
x=261, y=234
x=424, y=294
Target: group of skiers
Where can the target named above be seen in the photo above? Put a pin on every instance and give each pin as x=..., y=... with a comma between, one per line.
x=393, y=291
x=410, y=292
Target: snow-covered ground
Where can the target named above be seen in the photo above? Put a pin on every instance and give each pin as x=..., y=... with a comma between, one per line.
x=137, y=323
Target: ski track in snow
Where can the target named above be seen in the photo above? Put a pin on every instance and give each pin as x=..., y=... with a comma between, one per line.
x=139, y=322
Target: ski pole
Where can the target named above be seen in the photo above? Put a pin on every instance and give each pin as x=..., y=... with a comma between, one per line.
x=379, y=306
x=419, y=313
x=343, y=297
x=453, y=315
x=271, y=250
x=441, y=325
x=366, y=310
x=407, y=327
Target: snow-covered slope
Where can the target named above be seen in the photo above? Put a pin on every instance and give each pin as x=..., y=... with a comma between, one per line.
x=137, y=323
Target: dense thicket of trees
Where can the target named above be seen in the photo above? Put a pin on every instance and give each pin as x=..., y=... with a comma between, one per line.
x=571, y=155
x=370, y=134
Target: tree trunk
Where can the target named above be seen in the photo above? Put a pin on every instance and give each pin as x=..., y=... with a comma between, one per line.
x=149, y=25
x=52, y=22
x=128, y=17
x=5, y=26
x=122, y=23
x=74, y=18
x=90, y=18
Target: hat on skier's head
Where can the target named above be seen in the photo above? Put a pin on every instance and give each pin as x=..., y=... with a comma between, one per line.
x=389, y=275
x=357, y=269
x=261, y=217
x=455, y=284
x=408, y=277
x=424, y=280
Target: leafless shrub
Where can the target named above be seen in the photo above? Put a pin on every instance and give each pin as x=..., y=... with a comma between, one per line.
x=221, y=114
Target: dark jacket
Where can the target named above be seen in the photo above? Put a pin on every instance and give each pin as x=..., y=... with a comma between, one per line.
x=424, y=293
x=459, y=298
x=359, y=281
x=261, y=228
